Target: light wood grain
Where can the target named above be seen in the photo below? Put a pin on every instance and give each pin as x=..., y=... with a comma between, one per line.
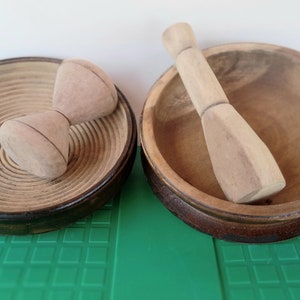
x=244, y=167
x=83, y=91
x=39, y=143
x=97, y=149
x=262, y=83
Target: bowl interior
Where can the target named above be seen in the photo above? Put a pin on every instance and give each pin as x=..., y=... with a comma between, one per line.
x=262, y=83
x=96, y=147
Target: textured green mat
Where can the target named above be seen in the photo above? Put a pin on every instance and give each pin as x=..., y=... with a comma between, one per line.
x=72, y=263
x=269, y=271
x=134, y=248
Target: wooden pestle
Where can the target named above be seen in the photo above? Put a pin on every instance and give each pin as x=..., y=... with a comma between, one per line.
x=242, y=163
x=39, y=143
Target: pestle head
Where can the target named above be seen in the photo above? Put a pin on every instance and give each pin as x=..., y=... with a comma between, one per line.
x=83, y=91
x=38, y=143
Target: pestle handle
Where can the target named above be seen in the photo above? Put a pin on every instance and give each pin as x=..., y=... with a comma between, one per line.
x=242, y=163
x=200, y=81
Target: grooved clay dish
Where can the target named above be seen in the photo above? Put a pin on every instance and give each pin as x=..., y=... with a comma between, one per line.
x=100, y=157
x=262, y=83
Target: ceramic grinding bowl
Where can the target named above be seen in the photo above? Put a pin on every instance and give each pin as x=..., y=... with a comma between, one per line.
x=263, y=83
x=101, y=155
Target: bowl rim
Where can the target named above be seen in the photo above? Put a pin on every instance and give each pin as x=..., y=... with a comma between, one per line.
x=98, y=188
x=196, y=198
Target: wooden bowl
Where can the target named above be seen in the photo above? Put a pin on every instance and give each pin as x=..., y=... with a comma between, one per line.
x=101, y=155
x=262, y=83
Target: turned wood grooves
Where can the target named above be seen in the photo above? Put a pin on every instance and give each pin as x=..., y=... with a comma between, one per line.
x=101, y=151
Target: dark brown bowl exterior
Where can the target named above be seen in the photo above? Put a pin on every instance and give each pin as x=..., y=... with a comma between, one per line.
x=262, y=83
x=61, y=214
x=213, y=225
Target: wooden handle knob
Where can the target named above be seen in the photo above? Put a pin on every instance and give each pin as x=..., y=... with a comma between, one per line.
x=200, y=81
x=83, y=91
x=242, y=163
x=178, y=38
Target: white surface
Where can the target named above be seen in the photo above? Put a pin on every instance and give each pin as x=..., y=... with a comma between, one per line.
x=124, y=37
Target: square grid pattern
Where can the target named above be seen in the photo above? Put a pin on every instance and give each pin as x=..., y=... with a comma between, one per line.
x=259, y=271
x=75, y=262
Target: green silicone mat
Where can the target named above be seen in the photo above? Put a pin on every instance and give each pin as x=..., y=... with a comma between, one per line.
x=134, y=248
x=71, y=263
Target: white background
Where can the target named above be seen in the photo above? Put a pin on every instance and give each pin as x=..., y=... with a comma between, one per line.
x=124, y=37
